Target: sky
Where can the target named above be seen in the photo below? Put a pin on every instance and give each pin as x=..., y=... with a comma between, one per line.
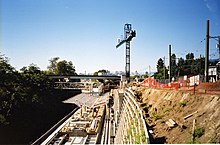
x=86, y=31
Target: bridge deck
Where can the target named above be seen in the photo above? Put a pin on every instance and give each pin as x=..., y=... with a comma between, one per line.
x=85, y=77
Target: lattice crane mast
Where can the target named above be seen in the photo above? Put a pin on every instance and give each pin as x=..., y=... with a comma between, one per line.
x=128, y=35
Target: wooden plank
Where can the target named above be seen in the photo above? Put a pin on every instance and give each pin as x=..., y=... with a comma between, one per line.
x=172, y=122
x=190, y=115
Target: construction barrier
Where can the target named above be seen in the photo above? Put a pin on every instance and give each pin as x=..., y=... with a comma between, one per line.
x=153, y=83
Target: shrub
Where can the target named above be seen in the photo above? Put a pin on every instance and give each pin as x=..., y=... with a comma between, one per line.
x=3, y=120
x=199, y=131
x=212, y=139
x=167, y=110
x=183, y=103
x=156, y=116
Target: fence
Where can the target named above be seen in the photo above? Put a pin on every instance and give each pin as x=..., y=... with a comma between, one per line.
x=185, y=81
x=153, y=83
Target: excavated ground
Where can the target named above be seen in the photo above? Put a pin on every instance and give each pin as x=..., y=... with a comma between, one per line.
x=182, y=107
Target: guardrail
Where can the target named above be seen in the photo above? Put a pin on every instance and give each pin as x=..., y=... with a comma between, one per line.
x=132, y=126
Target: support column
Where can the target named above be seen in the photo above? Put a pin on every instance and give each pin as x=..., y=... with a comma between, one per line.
x=127, y=31
x=127, y=71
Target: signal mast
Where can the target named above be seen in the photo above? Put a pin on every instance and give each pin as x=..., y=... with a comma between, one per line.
x=128, y=35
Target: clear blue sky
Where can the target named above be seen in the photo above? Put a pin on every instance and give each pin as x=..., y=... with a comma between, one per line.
x=86, y=31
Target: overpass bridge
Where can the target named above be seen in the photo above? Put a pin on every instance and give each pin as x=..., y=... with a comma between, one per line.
x=103, y=77
x=82, y=82
x=84, y=86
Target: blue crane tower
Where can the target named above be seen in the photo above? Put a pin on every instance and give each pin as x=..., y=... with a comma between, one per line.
x=128, y=35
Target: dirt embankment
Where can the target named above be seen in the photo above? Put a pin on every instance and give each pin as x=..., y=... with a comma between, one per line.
x=183, y=108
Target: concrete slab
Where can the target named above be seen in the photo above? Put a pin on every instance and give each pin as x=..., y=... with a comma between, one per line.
x=82, y=99
x=86, y=99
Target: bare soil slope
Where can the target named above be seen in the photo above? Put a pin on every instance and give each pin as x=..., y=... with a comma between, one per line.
x=215, y=87
x=182, y=107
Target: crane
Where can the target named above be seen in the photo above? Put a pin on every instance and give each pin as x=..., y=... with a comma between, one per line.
x=128, y=35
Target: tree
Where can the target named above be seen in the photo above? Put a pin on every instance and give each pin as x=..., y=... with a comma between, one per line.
x=180, y=67
x=61, y=67
x=52, y=68
x=200, y=65
x=190, y=57
x=31, y=69
x=19, y=89
x=160, y=64
x=9, y=82
x=102, y=71
x=191, y=66
x=173, y=66
x=162, y=72
x=65, y=68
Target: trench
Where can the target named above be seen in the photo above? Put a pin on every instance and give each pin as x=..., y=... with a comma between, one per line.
x=29, y=122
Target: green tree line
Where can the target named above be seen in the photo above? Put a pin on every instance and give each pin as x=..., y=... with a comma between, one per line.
x=28, y=87
x=180, y=66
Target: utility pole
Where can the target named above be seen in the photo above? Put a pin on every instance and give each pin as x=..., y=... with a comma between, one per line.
x=207, y=50
x=218, y=46
x=164, y=66
x=207, y=53
x=149, y=70
x=170, y=63
x=128, y=35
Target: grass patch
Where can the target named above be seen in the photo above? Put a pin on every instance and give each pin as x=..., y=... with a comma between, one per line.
x=3, y=120
x=167, y=110
x=156, y=117
x=212, y=139
x=140, y=137
x=137, y=139
x=129, y=132
x=143, y=137
x=192, y=142
x=199, y=131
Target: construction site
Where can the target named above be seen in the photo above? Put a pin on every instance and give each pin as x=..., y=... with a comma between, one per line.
x=184, y=115
x=176, y=101
x=174, y=110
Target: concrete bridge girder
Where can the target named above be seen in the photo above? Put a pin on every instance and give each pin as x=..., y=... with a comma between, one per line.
x=75, y=85
x=92, y=77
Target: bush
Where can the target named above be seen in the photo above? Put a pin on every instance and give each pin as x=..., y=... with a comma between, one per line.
x=199, y=131
x=212, y=139
x=156, y=116
x=3, y=120
x=183, y=103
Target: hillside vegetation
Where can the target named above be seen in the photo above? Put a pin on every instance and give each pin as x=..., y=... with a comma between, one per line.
x=29, y=105
x=183, y=108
